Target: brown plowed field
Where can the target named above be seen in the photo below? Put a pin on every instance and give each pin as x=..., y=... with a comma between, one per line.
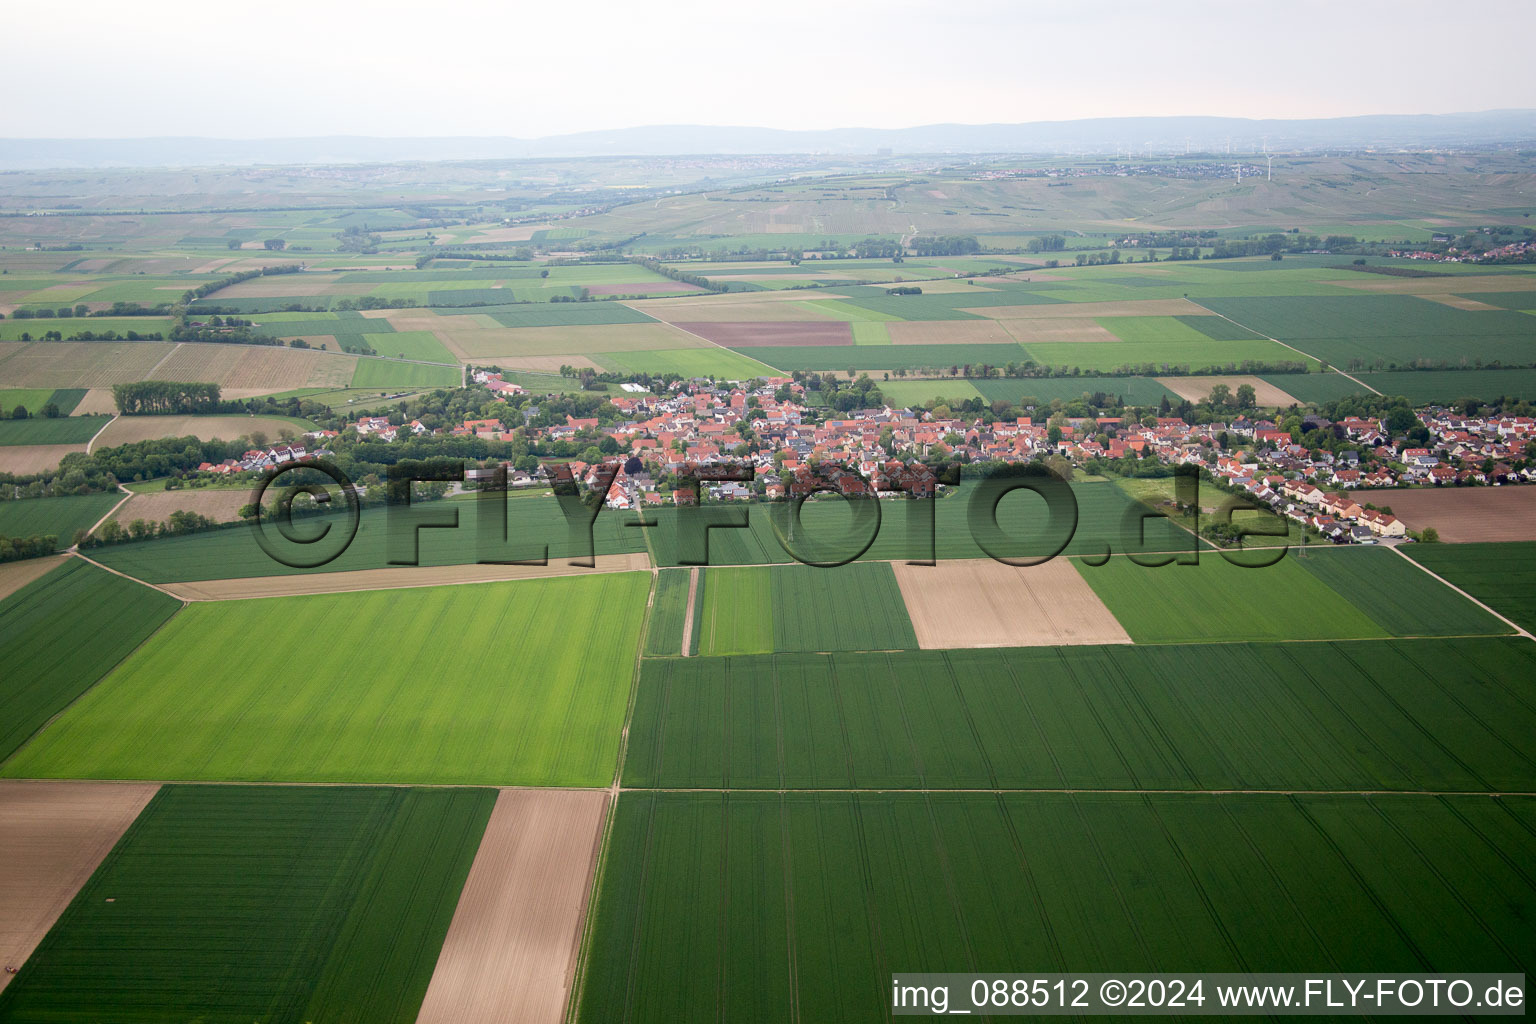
x=984, y=603
x=131, y=429
x=511, y=949
x=750, y=335
x=1463, y=515
x=15, y=575
x=97, y=401
x=221, y=504
x=52, y=837
x=34, y=458
x=391, y=579
x=510, y=342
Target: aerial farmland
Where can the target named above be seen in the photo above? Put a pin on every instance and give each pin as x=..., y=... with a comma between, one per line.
x=700, y=574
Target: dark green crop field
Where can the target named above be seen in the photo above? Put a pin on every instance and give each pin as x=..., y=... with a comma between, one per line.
x=1502, y=576
x=1402, y=599
x=833, y=358
x=669, y=608
x=61, y=633
x=534, y=526
x=62, y=430
x=1441, y=715
x=61, y=517
x=283, y=904
x=746, y=906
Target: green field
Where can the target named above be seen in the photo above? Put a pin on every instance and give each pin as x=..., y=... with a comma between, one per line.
x=837, y=358
x=1399, y=597
x=61, y=517
x=271, y=903
x=1140, y=391
x=747, y=906
x=1502, y=576
x=34, y=399
x=669, y=609
x=12, y=329
x=1315, y=388
x=1162, y=356
x=1103, y=522
x=535, y=526
x=722, y=363
x=567, y=314
x=421, y=345
x=1216, y=600
x=62, y=430
x=1441, y=715
x=760, y=610
x=465, y=685
x=389, y=373
x=61, y=633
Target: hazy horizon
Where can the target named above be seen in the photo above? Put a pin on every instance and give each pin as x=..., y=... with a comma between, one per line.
x=488, y=70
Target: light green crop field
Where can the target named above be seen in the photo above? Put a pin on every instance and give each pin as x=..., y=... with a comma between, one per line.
x=689, y=362
x=758, y=610
x=423, y=345
x=1216, y=600
x=61, y=517
x=475, y=684
x=272, y=903
x=35, y=399
x=390, y=373
x=1404, y=600
x=60, y=430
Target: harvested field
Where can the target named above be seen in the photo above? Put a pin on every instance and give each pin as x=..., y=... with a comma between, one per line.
x=386, y=579
x=216, y=503
x=80, y=364
x=97, y=402
x=15, y=575
x=979, y=602
x=509, y=342
x=1128, y=307
x=34, y=458
x=948, y=332
x=1051, y=330
x=1463, y=514
x=282, y=285
x=131, y=429
x=511, y=949
x=749, y=335
x=52, y=837
x=1459, y=301
x=1197, y=389
x=268, y=367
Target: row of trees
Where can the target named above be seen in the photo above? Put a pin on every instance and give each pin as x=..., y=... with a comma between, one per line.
x=165, y=397
x=209, y=287
x=13, y=549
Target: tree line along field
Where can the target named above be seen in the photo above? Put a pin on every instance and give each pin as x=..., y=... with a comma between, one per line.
x=477, y=684
x=62, y=632
x=1442, y=715
x=737, y=905
x=234, y=903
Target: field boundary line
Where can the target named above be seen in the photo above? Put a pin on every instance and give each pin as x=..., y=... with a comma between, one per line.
x=1521, y=630
x=119, y=572
x=176, y=348
x=110, y=512
x=1293, y=348
x=98, y=433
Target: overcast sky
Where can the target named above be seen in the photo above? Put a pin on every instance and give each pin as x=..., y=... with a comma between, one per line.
x=108, y=68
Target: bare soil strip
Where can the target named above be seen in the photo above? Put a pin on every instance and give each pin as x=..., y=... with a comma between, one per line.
x=391, y=579
x=1198, y=389
x=52, y=837
x=15, y=575
x=693, y=593
x=1463, y=515
x=1066, y=329
x=221, y=504
x=96, y=401
x=511, y=950
x=983, y=603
